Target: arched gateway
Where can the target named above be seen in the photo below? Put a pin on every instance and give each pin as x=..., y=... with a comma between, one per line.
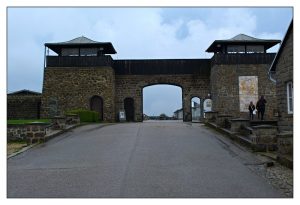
x=82, y=68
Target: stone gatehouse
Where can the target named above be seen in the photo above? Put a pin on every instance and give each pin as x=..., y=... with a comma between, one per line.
x=81, y=74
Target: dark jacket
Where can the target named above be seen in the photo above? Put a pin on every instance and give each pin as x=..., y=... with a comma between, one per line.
x=251, y=108
x=260, y=105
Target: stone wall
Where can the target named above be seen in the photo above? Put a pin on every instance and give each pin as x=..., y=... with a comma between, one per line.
x=67, y=88
x=132, y=86
x=16, y=132
x=225, y=88
x=23, y=106
x=284, y=74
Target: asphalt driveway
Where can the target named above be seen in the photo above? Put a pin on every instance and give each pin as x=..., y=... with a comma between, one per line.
x=149, y=159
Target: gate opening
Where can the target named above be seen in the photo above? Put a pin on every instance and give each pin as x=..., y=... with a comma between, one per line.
x=195, y=109
x=162, y=102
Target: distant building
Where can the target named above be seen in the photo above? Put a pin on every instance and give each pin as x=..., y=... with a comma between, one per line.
x=178, y=114
x=23, y=104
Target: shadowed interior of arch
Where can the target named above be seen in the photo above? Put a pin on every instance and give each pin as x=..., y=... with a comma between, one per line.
x=162, y=102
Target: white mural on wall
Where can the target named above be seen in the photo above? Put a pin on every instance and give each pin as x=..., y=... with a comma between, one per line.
x=248, y=91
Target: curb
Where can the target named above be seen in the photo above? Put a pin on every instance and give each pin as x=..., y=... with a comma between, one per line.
x=22, y=150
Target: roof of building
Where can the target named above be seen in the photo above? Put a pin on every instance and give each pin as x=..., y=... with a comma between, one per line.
x=178, y=110
x=24, y=92
x=242, y=39
x=81, y=42
x=274, y=63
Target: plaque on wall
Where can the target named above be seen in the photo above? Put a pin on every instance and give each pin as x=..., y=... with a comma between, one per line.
x=122, y=116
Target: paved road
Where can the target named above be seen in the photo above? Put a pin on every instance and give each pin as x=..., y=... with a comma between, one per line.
x=149, y=159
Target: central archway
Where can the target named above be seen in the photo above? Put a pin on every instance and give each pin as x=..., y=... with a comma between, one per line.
x=162, y=101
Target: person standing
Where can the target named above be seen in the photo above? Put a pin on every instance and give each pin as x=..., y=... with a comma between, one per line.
x=261, y=106
x=251, y=110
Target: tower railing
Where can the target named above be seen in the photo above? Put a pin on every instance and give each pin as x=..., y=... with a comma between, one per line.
x=242, y=58
x=78, y=61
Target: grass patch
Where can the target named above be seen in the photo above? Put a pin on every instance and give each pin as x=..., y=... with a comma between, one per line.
x=85, y=115
x=13, y=147
x=21, y=122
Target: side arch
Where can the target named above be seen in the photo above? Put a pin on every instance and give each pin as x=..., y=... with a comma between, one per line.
x=96, y=104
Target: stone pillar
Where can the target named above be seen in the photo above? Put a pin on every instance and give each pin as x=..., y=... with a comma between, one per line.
x=187, y=115
x=202, y=108
x=72, y=119
x=59, y=122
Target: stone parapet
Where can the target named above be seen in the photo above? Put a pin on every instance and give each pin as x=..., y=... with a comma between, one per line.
x=285, y=148
x=72, y=119
x=285, y=143
x=264, y=137
x=223, y=120
x=16, y=132
x=58, y=122
x=210, y=116
x=238, y=123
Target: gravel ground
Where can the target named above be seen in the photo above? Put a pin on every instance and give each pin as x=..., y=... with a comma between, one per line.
x=14, y=147
x=277, y=175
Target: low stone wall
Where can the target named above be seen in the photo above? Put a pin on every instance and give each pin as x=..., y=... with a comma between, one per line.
x=37, y=131
x=210, y=116
x=58, y=122
x=33, y=132
x=72, y=119
x=224, y=121
x=16, y=132
x=285, y=148
x=265, y=137
x=238, y=123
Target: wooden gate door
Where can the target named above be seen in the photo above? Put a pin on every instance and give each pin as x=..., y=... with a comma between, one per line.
x=97, y=105
x=129, y=109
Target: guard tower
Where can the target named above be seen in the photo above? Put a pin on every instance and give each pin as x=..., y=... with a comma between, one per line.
x=239, y=74
x=79, y=74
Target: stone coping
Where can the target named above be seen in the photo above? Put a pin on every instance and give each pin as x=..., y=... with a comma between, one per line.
x=224, y=115
x=16, y=125
x=38, y=123
x=72, y=114
x=264, y=127
x=239, y=119
x=58, y=117
x=285, y=134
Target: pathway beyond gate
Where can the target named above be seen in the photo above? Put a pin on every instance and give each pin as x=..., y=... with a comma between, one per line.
x=149, y=159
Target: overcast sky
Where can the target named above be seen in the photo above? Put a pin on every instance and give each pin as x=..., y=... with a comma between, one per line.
x=136, y=33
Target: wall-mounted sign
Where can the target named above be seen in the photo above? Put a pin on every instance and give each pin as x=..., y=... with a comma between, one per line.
x=122, y=116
